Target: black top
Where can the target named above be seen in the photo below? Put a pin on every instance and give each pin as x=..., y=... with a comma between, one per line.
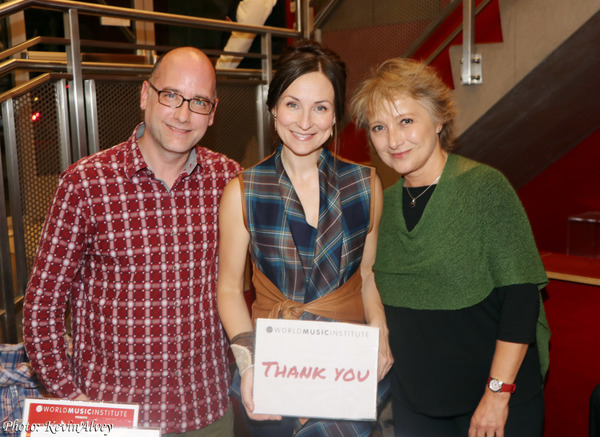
x=443, y=357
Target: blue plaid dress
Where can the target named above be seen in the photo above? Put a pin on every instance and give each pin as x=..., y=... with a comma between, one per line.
x=17, y=382
x=302, y=262
x=306, y=263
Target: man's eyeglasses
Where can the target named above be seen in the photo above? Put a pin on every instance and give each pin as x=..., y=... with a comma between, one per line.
x=174, y=100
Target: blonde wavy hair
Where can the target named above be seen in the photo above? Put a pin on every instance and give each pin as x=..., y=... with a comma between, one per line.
x=406, y=77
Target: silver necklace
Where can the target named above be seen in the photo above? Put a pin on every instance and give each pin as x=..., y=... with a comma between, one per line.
x=413, y=201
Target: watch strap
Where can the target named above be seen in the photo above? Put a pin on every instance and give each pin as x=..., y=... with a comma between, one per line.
x=504, y=387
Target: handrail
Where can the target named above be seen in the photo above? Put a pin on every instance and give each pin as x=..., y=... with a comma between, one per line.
x=15, y=6
x=75, y=67
x=86, y=43
x=56, y=69
x=60, y=66
x=25, y=87
x=109, y=45
x=30, y=43
x=434, y=26
x=68, y=6
x=325, y=12
x=430, y=30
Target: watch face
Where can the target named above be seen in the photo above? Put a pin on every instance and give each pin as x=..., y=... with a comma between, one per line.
x=495, y=385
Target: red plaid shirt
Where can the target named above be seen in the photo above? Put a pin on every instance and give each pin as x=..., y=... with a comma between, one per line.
x=139, y=265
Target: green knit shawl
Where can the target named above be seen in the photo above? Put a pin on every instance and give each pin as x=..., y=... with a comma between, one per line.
x=474, y=236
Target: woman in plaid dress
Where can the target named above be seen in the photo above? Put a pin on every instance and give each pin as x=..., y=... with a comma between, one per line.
x=310, y=221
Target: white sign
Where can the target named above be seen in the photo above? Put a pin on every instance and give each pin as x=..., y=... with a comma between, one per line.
x=46, y=417
x=315, y=369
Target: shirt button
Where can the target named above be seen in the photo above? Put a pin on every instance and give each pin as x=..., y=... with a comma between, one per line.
x=177, y=304
x=178, y=338
x=178, y=373
x=175, y=267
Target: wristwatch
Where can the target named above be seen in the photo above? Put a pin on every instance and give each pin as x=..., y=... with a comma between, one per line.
x=498, y=386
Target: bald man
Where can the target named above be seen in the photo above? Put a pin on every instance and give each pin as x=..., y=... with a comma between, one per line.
x=130, y=241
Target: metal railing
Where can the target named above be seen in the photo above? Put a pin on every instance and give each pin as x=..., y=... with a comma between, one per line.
x=467, y=27
x=76, y=111
x=74, y=65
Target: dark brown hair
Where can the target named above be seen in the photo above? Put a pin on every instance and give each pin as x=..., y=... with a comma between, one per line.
x=308, y=56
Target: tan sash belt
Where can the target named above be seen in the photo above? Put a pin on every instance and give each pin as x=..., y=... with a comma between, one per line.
x=343, y=305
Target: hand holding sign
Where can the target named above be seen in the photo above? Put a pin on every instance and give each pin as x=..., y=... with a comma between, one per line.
x=247, y=384
x=385, y=357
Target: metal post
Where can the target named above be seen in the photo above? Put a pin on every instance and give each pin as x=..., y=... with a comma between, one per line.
x=9, y=324
x=92, y=116
x=471, y=63
x=306, y=22
x=14, y=193
x=295, y=8
x=62, y=112
x=76, y=91
x=263, y=116
x=17, y=35
x=144, y=30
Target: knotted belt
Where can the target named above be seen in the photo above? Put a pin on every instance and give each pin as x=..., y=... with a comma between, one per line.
x=343, y=304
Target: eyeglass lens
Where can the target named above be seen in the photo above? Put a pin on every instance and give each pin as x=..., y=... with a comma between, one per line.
x=175, y=100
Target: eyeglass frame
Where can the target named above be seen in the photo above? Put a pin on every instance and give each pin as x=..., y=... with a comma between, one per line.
x=183, y=100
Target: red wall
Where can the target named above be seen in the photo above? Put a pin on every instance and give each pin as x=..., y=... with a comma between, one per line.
x=574, y=357
x=568, y=187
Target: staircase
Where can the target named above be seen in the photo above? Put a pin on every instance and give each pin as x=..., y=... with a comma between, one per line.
x=538, y=97
x=540, y=91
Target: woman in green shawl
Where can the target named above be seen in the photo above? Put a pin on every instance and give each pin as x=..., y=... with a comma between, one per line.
x=457, y=268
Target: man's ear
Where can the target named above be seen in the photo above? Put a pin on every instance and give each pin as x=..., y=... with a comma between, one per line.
x=212, y=114
x=144, y=95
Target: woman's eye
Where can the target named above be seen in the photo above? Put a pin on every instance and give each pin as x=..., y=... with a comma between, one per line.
x=406, y=121
x=292, y=105
x=376, y=128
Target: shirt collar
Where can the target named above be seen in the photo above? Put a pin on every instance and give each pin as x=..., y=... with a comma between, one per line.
x=134, y=161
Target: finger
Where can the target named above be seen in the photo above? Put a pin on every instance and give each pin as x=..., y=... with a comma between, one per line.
x=263, y=417
x=472, y=432
x=249, y=406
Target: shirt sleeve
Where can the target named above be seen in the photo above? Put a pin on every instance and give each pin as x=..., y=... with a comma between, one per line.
x=55, y=268
x=519, y=313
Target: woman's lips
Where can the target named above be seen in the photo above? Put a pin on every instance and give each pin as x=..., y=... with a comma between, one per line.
x=400, y=155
